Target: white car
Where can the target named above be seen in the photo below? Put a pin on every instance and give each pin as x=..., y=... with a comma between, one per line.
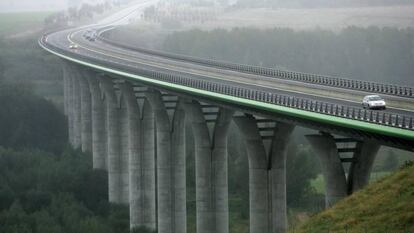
x=73, y=46
x=373, y=102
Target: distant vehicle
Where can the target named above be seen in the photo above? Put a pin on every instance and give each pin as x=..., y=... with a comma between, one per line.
x=73, y=46
x=373, y=102
x=90, y=35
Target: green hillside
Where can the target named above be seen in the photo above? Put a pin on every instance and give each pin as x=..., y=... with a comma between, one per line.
x=384, y=206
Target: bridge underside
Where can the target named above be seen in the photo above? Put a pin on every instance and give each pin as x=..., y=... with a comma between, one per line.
x=136, y=133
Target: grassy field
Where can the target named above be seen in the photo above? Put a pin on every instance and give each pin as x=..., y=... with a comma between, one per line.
x=23, y=60
x=23, y=21
x=386, y=205
x=311, y=18
x=318, y=184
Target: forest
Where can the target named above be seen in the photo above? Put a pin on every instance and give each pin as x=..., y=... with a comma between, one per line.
x=319, y=3
x=374, y=54
x=47, y=186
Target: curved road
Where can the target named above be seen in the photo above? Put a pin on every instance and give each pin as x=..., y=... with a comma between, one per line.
x=131, y=61
x=101, y=51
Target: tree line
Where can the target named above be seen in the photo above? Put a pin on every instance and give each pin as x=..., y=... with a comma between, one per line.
x=319, y=3
x=373, y=54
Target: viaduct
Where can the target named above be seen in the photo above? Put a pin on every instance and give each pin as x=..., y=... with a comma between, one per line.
x=128, y=107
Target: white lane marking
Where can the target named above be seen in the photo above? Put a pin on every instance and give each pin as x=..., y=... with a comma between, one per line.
x=70, y=37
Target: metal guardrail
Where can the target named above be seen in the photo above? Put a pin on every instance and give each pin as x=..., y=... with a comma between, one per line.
x=332, y=109
x=372, y=87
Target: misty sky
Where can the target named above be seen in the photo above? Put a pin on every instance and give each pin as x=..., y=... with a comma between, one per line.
x=40, y=5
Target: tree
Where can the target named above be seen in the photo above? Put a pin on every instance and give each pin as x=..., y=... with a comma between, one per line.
x=390, y=162
x=371, y=54
x=29, y=121
x=302, y=167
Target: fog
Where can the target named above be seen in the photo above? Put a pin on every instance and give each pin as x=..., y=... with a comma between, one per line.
x=53, y=5
x=47, y=185
x=41, y=5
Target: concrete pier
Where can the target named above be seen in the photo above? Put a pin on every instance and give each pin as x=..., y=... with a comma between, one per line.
x=141, y=149
x=69, y=99
x=335, y=182
x=278, y=155
x=171, y=185
x=77, y=111
x=66, y=80
x=267, y=176
x=86, y=114
x=99, y=129
x=211, y=169
x=361, y=168
x=337, y=185
x=118, y=177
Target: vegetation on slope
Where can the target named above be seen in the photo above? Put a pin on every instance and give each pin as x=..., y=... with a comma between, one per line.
x=29, y=121
x=21, y=21
x=21, y=58
x=45, y=186
x=384, y=206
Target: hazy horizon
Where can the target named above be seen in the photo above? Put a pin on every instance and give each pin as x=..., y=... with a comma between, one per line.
x=41, y=5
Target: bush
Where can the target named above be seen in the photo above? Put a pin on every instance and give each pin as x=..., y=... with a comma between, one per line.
x=407, y=164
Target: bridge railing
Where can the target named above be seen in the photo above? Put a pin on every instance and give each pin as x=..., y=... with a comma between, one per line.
x=331, y=109
x=372, y=87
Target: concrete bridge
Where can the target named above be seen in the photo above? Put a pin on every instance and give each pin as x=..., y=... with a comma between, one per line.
x=129, y=106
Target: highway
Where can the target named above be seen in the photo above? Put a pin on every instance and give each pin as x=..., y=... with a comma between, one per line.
x=101, y=51
x=123, y=59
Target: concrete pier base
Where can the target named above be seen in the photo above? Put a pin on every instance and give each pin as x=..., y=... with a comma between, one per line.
x=267, y=176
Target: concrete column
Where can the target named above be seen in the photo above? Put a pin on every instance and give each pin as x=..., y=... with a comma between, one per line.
x=171, y=185
x=99, y=132
x=77, y=116
x=335, y=182
x=258, y=175
x=360, y=170
x=118, y=187
x=220, y=171
x=141, y=161
x=66, y=79
x=70, y=106
x=211, y=170
x=124, y=142
x=278, y=155
x=86, y=114
x=179, y=171
x=267, y=176
x=148, y=172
